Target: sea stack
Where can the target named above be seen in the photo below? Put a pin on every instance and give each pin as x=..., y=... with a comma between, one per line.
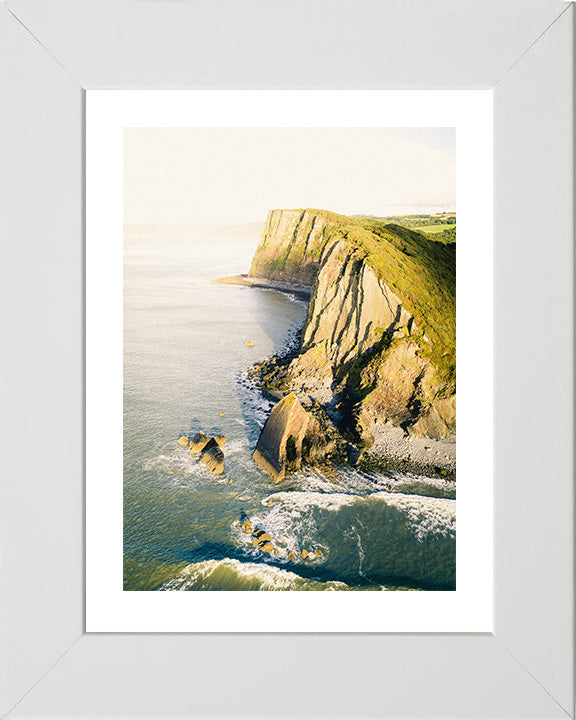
x=290, y=437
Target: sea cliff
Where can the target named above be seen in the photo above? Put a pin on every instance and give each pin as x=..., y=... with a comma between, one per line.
x=290, y=248
x=377, y=348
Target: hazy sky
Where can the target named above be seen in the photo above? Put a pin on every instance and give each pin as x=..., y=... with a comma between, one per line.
x=233, y=175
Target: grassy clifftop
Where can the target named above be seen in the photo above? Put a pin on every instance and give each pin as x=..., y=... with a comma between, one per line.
x=422, y=271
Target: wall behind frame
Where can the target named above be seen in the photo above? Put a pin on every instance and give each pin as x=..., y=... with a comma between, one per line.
x=534, y=359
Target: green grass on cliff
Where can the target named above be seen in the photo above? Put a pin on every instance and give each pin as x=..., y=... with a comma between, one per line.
x=441, y=225
x=416, y=222
x=432, y=229
x=420, y=269
x=446, y=235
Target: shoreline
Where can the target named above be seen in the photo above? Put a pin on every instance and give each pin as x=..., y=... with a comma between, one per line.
x=393, y=448
x=302, y=291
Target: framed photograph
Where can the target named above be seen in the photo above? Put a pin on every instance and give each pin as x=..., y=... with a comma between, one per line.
x=217, y=437
x=324, y=381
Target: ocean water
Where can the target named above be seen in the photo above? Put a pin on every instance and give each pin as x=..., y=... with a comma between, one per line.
x=185, y=365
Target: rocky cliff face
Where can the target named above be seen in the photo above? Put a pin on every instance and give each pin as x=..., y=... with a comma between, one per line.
x=290, y=248
x=362, y=352
x=351, y=308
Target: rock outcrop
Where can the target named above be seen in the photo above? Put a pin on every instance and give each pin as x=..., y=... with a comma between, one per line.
x=247, y=526
x=260, y=539
x=198, y=443
x=208, y=449
x=400, y=387
x=292, y=436
x=213, y=457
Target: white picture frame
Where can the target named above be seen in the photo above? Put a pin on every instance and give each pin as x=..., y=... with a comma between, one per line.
x=53, y=50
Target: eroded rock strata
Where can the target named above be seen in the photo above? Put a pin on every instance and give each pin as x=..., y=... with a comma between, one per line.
x=377, y=347
x=290, y=248
x=293, y=436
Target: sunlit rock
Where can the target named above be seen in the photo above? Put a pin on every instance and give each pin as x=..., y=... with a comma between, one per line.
x=290, y=437
x=198, y=443
x=213, y=457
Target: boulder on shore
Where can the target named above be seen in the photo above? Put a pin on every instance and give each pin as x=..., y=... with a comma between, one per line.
x=290, y=437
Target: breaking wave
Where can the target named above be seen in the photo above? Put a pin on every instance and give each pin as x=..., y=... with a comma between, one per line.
x=382, y=538
x=231, y=574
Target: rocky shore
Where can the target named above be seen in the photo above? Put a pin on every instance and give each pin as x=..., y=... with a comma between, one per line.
x=393, y=448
